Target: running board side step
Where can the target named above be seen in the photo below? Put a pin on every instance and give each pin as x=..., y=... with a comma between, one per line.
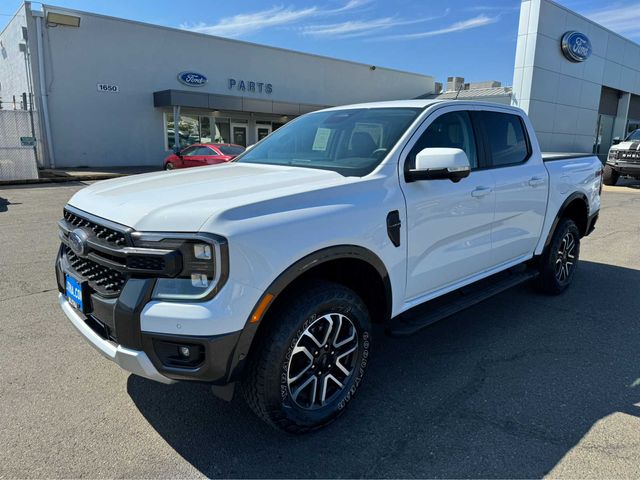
x=435, y=310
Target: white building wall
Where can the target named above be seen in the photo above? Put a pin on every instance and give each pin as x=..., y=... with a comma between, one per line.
x=13, y=73
x=90, y=128
x=562, y=97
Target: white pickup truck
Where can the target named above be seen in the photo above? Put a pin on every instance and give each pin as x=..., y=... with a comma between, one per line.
x=269, y=272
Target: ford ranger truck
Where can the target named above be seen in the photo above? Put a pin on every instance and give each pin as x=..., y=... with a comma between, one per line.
x=623, y=159
x=266, y=274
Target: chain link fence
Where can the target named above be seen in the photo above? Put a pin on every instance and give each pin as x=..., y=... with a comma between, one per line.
x=17, y=146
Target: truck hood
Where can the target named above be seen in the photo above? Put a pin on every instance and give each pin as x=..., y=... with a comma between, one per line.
x=182, y=201
x=631, y=145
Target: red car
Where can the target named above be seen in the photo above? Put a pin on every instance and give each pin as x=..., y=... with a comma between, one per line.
x=200, y=154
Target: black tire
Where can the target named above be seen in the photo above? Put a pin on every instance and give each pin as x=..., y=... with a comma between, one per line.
x=610, y=176
x=169, y=166
x=269, y=386
x=559, y=261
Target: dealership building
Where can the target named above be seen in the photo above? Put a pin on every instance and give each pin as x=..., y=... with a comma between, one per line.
x=111, y=92
x=96, y=91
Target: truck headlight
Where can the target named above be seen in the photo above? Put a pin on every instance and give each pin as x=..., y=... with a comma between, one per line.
x=204, y=268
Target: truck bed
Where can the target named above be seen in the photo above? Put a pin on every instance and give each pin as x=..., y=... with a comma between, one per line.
x=553, y=156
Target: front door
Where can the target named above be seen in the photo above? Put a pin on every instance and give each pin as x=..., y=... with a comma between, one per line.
x=448, y=224
x=239, y=134
x=262, y=131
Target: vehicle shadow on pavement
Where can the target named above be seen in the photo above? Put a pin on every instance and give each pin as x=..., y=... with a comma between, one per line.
x=504, y=389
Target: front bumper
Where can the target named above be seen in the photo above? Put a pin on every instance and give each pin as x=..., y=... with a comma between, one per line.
x=133, y=361
x=625, y=168
x=113, y=327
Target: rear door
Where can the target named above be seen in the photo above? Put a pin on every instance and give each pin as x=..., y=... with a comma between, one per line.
x=521, y=185
x=448, y=224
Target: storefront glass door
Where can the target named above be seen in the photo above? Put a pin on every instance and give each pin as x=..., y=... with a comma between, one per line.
x=262, y=131
x=239, y=134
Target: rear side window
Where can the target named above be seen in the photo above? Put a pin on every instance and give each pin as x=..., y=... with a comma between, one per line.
x=506, y=137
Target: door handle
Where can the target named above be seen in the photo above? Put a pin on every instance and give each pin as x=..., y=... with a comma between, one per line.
x=481, y=192
x=536, y=181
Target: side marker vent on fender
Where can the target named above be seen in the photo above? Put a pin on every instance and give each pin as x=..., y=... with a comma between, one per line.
x=393, y=227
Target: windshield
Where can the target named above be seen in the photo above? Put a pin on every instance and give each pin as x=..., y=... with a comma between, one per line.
x=350, y=142
x=633, y=136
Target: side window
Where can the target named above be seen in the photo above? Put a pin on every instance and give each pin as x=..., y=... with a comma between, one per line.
x=206, y=151
x=189, y=151
x=451, y=130
x=506, y=137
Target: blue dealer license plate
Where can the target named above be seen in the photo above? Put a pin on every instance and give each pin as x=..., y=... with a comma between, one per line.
x=74, y=293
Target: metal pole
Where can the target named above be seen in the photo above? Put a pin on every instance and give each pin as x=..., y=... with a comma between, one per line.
x=30, y=103
x=176, y=127
x=43, y=89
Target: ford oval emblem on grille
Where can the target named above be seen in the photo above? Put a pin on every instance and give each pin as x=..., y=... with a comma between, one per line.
x=192, y=79
x=78, y=241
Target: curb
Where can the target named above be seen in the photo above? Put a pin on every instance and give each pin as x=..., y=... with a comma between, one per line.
x=77, y=178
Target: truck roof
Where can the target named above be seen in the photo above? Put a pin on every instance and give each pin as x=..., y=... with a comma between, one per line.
x=421, y=103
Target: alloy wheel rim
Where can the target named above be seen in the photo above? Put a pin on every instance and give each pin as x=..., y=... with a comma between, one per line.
x=566, y=257
x=322, y=361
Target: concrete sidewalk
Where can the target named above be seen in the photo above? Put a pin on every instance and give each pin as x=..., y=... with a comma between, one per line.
x=80, y=175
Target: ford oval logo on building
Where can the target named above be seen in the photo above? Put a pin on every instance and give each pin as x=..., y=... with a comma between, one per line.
x=192, y=79
x=576, y=46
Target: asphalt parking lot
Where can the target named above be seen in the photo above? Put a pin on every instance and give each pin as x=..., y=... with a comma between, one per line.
x=522, y=385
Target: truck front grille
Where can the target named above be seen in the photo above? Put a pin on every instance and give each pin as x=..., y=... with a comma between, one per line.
x=102, y=279
x=107, y=234
x=631, y=156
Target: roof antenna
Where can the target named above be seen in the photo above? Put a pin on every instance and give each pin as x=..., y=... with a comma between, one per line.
x=459, y=90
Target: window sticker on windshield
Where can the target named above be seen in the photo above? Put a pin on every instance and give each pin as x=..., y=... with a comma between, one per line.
x=322, y=139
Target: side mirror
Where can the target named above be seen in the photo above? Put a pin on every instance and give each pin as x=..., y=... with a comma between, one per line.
x=176, y=150
x=616, y=140
x=440, y=164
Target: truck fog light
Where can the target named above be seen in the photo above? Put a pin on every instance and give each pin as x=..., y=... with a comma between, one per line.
x=202, y=251
x=185, y=352
x=199, y=280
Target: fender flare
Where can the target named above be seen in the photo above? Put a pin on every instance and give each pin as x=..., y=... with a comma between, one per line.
x=247, y=335
x=562, y=210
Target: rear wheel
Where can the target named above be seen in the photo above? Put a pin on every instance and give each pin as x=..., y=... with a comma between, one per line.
x=610, y=176
x=169, y=166
x=308, y=367
x=558, y=263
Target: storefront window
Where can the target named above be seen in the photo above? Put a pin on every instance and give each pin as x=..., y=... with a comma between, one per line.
x=632, y=126
x=192, y=129
x=604, y=134
x=205, y=130
x=223, y=133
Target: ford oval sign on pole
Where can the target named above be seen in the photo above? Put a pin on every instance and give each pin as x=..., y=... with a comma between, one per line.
x=192, y=79
x=576, y=46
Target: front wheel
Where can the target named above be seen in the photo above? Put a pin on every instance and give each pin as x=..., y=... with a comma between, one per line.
x=310, y=363
x=169, y=166
x=558, y=262
x=610, y=176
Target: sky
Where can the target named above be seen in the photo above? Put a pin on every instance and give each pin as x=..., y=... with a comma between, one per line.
x=475, y=39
